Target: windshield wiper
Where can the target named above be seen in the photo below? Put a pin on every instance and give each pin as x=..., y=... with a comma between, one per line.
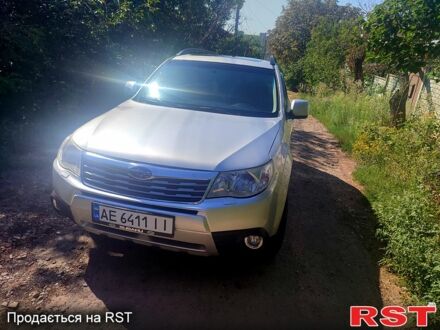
x=148, y=100
x=201, y=107
x=163, y=102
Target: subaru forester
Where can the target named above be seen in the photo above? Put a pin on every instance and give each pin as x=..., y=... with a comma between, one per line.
x=198, y=160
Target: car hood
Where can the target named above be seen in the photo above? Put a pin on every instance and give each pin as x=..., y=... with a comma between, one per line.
x=179, y=137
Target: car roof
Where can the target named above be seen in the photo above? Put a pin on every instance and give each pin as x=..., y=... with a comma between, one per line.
x=238, y=60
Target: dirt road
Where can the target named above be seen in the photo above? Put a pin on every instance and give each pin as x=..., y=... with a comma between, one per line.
x=328, y=262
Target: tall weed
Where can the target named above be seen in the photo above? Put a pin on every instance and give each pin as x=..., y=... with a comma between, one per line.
x=345, y=115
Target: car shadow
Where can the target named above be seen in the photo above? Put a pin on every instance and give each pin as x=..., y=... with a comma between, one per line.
x=327, y=263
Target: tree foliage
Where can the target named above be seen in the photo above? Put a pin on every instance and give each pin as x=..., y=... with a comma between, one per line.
x=243, y=45
x=354, y=41
x=404, y=34
x=335, y=52
x=41, y=38
x=324, y=56
x=288, y=40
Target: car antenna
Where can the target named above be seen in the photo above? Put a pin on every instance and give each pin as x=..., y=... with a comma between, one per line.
x=272, y=60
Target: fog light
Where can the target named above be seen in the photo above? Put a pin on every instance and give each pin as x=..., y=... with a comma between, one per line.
x=253, y=242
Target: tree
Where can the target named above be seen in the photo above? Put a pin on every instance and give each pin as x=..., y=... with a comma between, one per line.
x=324, y=56
x=293, y=30
x=353, y=39
x=404, y=35
x=41, y=38
x=240, y=45
x=336, y=50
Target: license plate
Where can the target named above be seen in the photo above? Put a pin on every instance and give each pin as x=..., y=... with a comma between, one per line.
x=132, y=221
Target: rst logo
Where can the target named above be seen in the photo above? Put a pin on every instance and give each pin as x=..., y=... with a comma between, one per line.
x=390, y=316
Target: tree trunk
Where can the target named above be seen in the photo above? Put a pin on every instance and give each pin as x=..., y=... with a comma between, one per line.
x=358, y=70
x=398, y=101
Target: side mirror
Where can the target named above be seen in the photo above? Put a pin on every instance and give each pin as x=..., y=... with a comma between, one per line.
x=299, y=109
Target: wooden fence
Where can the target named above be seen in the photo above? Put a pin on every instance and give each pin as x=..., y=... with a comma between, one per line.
x=423, y=96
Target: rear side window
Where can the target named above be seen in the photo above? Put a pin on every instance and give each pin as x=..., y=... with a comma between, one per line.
x=216, y=87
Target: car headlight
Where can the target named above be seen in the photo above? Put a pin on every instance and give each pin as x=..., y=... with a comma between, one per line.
x=69, y=156
x=243, y=183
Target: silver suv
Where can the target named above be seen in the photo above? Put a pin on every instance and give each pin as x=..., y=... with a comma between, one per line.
x=198, y=160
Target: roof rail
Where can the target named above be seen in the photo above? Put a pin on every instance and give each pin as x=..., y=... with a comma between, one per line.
x=272, y=60
x=195, y=51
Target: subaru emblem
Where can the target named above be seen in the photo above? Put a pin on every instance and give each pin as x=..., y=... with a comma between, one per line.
x=140, y=173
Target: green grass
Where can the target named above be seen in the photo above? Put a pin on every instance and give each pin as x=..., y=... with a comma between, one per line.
x=400, y=170
x=345, y=115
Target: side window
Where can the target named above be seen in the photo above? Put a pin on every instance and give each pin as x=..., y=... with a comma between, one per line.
x=285, y=95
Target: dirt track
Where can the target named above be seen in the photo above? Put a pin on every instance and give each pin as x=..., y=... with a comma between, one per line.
x=328, y=262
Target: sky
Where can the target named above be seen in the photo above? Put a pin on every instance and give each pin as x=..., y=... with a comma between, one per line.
x=260, y=15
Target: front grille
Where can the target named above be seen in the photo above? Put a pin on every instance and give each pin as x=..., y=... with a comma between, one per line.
x=112, y=175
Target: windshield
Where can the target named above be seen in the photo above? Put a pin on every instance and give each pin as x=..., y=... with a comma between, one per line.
x=216, y=87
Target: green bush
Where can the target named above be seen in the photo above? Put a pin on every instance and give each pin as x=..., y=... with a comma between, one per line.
x=400, y=170
x=62, y=55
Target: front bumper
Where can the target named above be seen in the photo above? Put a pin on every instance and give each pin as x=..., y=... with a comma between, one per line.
x=202, y=229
